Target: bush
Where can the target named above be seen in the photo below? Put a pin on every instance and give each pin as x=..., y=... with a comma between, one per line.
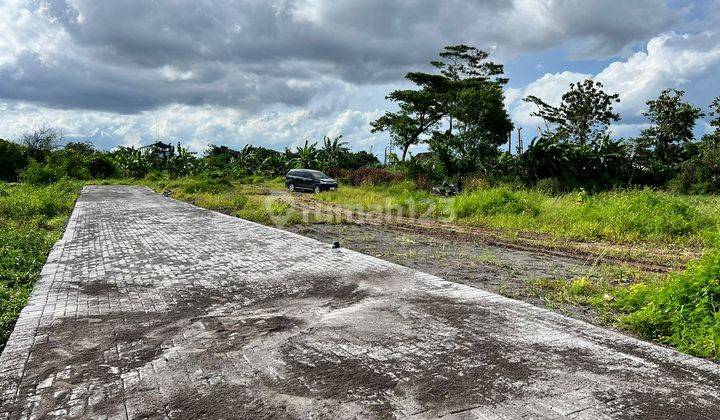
x=12, y=160
x=39, y=174
x=701, y=174
x=683, y=312
x=102, y=167
x=373, y=176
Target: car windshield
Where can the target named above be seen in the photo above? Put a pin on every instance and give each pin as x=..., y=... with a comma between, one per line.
x=318, y=175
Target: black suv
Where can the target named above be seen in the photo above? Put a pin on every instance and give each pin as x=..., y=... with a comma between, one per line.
x=309, y=180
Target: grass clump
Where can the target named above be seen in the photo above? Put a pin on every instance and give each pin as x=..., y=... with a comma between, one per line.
x=31, y=221
x=401, y=198
x=683, y=311
x=496, y=201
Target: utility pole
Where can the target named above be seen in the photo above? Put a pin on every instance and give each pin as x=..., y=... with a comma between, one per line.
x=520, y=142
x=509, y=142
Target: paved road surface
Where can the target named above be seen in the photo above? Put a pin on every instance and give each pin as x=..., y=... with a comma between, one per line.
x=152, y=308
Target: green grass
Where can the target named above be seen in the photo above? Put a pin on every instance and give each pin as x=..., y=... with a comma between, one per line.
x=682, y=311
x=249, y=198
x=31, y=221
x=626, y=217
x=397, y=199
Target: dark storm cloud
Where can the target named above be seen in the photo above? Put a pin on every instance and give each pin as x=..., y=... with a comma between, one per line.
x=128, y=56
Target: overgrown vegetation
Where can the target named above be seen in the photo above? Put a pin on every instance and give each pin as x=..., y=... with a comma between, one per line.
x=632, y=216
x=31, y=221
x=681, y=310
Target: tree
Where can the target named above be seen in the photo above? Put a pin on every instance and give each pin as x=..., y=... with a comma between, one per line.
x=181, y=163
x=479, y=124
x=584, y=114
x=85, y=148
x=41, y=141
x=419, y=112
x=673, y=124
x=132, y=162
x=306, y=156
x=669, y=141
x=715, y=114
x=274, y=165
x=332, y=152
x=701, y=173
x=361, y=159
x=219, y=157
x=469, y=91
x=458, y=110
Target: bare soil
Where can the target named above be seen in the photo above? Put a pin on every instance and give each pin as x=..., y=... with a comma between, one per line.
x=643, y=256
x=500, y=270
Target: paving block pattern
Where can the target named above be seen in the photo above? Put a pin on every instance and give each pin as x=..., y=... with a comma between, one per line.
x=153, y=308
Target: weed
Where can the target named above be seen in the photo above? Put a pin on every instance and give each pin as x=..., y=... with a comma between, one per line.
x=31, y=221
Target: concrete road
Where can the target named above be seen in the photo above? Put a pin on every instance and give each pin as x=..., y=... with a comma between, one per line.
x=153, y=308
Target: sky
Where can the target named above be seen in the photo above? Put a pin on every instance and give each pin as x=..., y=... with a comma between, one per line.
x=275, y=73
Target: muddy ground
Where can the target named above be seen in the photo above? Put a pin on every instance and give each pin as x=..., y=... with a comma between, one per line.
x=499, y=270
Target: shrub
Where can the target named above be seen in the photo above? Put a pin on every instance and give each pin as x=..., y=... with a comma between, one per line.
x=374, y=176
x=39, y=174
x=102, y=167
x=12, y=160
x=683, y=312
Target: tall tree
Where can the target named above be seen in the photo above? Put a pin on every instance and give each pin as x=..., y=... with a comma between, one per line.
x=584, y=114
x=670, y=138
x=419, y=112
x=476, y=127
x=464, y=75
x=715, y=114
x=41, y=141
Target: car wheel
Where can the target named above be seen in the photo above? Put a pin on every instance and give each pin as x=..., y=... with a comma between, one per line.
x=317, y=189
x=291, y=187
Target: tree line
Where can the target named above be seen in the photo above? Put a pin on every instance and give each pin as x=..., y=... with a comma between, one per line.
x=459, y=114
x=39, y=157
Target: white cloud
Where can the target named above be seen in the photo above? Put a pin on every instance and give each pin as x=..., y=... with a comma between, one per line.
x=671, y=60
x=196, y=127
x=549, y=88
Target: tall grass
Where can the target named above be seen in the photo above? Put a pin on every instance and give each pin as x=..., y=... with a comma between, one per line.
x=631, y=216
x=249, y=198
x=682, y=311
x=400, y=198
x=31, y=221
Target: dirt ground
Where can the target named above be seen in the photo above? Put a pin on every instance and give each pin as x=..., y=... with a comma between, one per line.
x=495, y=269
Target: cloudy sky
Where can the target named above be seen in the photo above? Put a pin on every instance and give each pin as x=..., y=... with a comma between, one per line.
x=274, y=73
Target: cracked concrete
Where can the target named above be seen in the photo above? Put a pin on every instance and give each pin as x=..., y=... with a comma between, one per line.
x=153, y=308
